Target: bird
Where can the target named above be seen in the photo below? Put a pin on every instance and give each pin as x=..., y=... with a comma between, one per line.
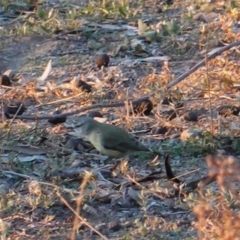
x=108, y=139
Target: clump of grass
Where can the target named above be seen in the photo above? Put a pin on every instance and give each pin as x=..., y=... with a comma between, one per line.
x=218, y=213
x=107, y=8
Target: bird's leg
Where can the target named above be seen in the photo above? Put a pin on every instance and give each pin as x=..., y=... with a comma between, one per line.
x=103, y=159
x=120, y=166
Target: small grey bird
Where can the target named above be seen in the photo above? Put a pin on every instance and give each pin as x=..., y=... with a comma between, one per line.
x=108, y=139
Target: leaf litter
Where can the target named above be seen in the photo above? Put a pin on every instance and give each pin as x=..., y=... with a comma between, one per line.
x=142, y=197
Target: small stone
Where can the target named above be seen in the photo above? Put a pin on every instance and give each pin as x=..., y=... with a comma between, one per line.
x=166, y=101
x=84, y=86
x=170, y=114
x=111, y=94
x=5, y=81
x=12, y=109
x=144, y=107
x=102, y=60
x=160, y=130
x=191, y=116
x=57, y=120
x=94, y=114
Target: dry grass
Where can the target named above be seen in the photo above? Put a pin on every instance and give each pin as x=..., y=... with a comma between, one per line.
x=218, y=212
x=50, y=191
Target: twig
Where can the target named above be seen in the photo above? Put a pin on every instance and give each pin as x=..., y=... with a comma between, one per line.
x=202, y=63
x=52, y=116
x=80, y=218
x=209, y=96
x=79, y=203
x=2, y=114
x=43, y=183
x=187, y=173
x=69, y=52
x=18, y=174
x=64, y=201
x=19, y=108
x=59, y=101
x=61, y=188
x=66, y=33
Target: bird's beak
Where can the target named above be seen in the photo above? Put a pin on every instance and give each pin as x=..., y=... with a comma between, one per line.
x=78, y=129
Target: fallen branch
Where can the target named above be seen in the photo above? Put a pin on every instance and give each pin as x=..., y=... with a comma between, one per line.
x=202, y=63
x=83, y=109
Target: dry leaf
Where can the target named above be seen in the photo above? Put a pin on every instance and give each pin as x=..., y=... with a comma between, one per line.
x=48, y=69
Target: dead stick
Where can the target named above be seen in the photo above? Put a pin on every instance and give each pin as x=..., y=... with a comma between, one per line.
x=202, y=63
x=83, y=109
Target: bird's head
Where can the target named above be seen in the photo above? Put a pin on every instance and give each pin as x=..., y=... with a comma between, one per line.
x=82, y=125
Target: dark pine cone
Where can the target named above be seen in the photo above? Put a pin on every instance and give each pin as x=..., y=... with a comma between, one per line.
x=12, y=109
x=102, y=60
x=4, y=80
x=144, y=107
x=94, y=114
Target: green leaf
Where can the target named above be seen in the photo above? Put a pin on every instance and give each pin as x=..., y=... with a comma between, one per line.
x=122, y=11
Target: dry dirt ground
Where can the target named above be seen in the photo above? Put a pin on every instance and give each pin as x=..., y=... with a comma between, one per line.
x=55, y=186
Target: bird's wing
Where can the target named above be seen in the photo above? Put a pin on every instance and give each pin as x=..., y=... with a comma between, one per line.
x=122, y=144
x=112, y=143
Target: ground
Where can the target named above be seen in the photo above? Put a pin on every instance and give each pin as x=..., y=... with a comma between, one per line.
x=56, y=186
